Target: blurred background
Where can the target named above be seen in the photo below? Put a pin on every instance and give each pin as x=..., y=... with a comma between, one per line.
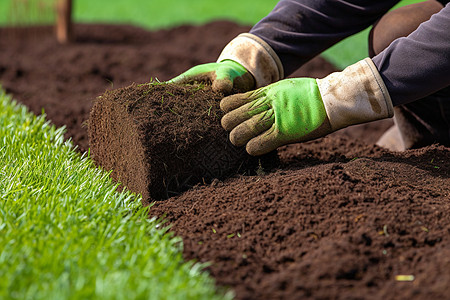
x=154, y=15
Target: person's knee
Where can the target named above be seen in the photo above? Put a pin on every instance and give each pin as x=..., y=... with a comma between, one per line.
x=399, y=23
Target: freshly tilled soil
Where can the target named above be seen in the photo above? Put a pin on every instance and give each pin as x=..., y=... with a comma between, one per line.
x=338, y=219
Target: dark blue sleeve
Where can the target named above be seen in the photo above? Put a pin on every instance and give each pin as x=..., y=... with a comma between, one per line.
x=419, y=64
x=298, y=30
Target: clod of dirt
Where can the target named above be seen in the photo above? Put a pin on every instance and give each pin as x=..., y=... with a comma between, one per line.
x=161, y=139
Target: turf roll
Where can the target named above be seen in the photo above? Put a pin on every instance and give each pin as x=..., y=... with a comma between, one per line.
x=161, y=139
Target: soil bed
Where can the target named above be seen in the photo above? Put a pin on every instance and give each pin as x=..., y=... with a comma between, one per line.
x=340, y=217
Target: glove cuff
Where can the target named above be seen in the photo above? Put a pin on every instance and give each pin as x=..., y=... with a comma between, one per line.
x=355, y=95
x=256, y=56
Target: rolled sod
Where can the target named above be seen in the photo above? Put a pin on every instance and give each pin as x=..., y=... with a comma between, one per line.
x=161, y=139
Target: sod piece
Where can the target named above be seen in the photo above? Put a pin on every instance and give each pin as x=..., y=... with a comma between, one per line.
x=161, y=139
x=65, y=233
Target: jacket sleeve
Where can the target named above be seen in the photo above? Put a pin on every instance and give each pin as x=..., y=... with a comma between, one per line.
x=298, y=30
x=419, y=64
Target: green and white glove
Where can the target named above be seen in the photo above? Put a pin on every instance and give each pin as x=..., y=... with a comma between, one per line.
x=224, y=76
x=246, y=63
x=302, y=109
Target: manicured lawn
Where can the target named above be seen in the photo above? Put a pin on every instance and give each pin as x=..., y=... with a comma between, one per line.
x=65, y=233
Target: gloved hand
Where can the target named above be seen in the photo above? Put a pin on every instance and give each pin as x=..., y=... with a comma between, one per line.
x=246, y=63
x=224, y=76
x=302, y=109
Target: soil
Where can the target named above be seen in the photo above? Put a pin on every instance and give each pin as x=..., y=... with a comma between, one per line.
x=340, y=218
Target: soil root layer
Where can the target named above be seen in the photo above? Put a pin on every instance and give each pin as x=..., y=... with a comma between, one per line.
x=162, y=139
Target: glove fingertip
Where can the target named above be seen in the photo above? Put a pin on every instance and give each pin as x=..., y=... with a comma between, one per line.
x=236, y=140
x=256, y=150
x=226, y=104
x=262, y=144
x=227, y=122
x=233, y=102
x=180, y=79
x=222, y=86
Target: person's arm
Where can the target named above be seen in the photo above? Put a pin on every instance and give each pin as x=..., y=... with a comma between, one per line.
x=301, y=109
x=293, y=33
x=419, y=64
x=298, y=30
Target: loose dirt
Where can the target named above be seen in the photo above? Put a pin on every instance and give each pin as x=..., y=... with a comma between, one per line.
x=340, y=218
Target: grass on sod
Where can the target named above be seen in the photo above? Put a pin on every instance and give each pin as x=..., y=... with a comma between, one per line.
x=65, y=233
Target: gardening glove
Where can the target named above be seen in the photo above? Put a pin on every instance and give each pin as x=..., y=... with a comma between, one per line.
x=224, y=76
x=302, y=109
x=246, y=63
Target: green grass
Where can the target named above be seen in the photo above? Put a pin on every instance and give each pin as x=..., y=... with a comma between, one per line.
x=159, y=14
x=169, y=13
x=354, y=48
x=65, y=233
x=27, y=12
x=162, y=14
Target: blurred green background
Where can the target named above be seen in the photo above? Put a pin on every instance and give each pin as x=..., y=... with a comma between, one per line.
x=168, y=13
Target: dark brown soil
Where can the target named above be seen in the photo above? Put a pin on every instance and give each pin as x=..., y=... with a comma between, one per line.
x=339, y=219
x=162, y=139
